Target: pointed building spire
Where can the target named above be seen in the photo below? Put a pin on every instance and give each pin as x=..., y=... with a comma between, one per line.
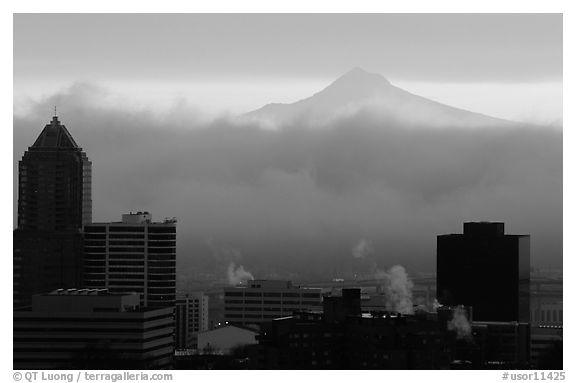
x=55, y=135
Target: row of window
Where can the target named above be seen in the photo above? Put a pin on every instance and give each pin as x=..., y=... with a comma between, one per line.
x=269, y=294
x=277, y=308
x=265, y=302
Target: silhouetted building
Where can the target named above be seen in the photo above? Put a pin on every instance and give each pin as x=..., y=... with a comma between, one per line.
x=54, y=201
x=504, y=345
x=486, y=269
x=134, y=255
x=263, y=300
x=92, y=329
x=191, y=318
x=344, y=338
x=546, y=345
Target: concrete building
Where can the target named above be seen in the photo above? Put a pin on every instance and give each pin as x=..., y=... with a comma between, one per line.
x=342, y=337
x=546, y=345
x=134, y=255
x=191, y=318
x=92, y=329
x=547, y=314
x=263, y=300
x=486, y=269
x=54, y=201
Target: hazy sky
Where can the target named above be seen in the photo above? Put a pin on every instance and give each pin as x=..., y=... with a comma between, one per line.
x=508, y=65
x=134, y=91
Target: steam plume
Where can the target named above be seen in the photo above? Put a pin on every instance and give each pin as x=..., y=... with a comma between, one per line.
x=398, y=289
x=460, y=324
x=362, y=249
x=238, y=275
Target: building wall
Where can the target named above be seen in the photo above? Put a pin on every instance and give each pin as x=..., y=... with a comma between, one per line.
x=263, y=301
x=488, y=272
x=546, y=347
x=95, y=335
x=54, y=201
x=132, y=258
x=191, y=317
x=45, y=261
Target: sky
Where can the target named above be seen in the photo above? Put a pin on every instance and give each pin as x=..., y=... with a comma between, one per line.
x=507, y=65
x=153, y=100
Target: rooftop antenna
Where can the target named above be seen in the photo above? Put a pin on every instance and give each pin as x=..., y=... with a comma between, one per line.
x=55, y=111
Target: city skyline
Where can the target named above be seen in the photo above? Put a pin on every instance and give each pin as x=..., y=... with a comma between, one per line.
x=303, y=181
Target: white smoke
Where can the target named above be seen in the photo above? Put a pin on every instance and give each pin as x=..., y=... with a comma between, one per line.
x=222, y=253
x=237, y=275
x=436, y=305
x=397, y=289
x=362, y=249
x=460, y=324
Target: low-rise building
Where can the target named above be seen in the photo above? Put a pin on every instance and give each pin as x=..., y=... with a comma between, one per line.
x=92, y=329
x=263, y=300
x=343, y=337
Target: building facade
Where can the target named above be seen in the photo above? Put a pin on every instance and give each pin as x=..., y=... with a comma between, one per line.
x=54, y=202
x=342, y=337
x=191, y=318
x=486, y=269
x=92, y=329
x=134, y=255
x=263, y=300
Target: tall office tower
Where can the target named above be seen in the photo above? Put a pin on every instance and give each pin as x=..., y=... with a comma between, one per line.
x=191, y=318
x=263, y=300
x=134, y=255
x=92, y=329
x=54, y=201
x=486, y=269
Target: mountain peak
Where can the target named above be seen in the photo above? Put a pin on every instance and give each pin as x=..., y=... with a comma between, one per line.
x=358, y=90
x=359, y=82
x=358, y=75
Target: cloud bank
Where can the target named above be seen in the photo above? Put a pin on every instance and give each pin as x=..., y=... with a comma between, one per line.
x=294, y=201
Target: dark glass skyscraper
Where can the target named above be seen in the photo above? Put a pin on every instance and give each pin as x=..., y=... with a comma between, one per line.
x=54, y=202
x=486, y=269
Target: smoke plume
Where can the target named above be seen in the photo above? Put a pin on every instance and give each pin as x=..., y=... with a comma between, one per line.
x=460, y=324
x=397, y=289
x=362, y=249
x=237, y=275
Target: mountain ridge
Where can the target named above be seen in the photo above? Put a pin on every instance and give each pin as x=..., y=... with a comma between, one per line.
x=357, y=91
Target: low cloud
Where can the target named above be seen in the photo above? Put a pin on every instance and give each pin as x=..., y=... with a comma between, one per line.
x=294, y=199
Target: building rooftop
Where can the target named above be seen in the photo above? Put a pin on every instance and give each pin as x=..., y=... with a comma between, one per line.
x=272, y=284
x=138, y=218
x=55, y=135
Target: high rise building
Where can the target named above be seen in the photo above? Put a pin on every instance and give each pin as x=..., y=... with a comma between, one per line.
x=263, y=300
x=486, y=269
x=134, y=255
x=54, y=202
x=92, y=329
x=191, y=318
